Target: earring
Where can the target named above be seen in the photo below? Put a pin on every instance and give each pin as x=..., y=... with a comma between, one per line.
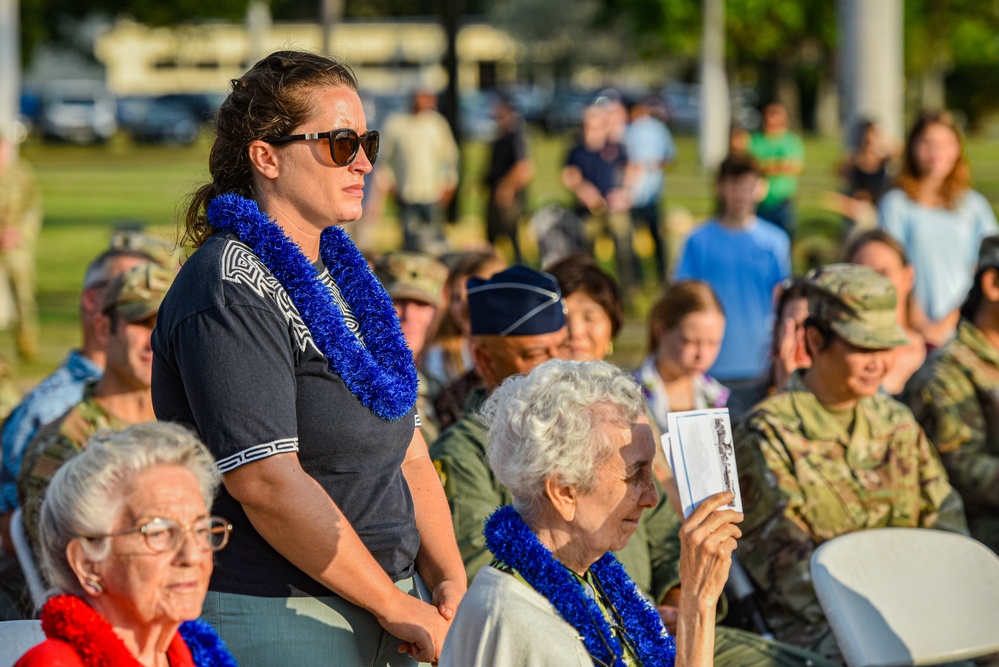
x=610, y=348
x=96, y=585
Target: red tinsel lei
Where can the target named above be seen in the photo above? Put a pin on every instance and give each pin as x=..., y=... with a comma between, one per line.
x=71, y=620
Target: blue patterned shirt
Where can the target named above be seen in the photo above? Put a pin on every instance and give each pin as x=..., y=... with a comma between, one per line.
x=50, y=399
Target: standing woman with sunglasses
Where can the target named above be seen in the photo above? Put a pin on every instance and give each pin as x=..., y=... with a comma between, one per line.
x=279, y=346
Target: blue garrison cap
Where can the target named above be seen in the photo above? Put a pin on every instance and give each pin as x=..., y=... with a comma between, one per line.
x=516, y=302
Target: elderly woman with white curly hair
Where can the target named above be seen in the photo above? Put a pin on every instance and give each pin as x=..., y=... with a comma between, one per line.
x=572, y=444
x=127, y=539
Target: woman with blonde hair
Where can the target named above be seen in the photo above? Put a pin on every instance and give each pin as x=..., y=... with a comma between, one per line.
x=938, y=219
x=686, y=328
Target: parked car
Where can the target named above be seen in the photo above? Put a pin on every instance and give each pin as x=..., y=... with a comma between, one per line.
x=202, y=106
x=80, y=111
x=565, y=111
x=166, y=120
x=683, y=107
x=477, y=119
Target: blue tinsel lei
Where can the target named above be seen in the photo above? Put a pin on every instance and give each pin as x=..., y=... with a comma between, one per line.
x=380, y=372
x=513, y=542
x=207, y=648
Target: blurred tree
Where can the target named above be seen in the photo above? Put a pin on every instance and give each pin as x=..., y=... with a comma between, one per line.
x=781, y=43
x=56, y=20
x=952, y=53
x=560, y=34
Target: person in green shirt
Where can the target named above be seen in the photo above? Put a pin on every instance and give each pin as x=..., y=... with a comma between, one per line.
x=780, y=154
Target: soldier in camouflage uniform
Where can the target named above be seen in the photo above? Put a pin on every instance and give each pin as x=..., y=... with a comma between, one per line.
x=955, y=397
x=20, y=224
x=652, y=556
x=415, y=281
x=119, y=399
x=831, y=455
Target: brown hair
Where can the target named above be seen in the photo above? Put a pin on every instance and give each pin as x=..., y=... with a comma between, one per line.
x=737, y=165
x=874, y=236
x=790, y=290
x=579, y=273
x=270, y=100
x=884, y=238
x=676, y=302
x=957, y=181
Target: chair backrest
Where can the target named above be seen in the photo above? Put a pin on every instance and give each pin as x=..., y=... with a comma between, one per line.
x=27, y=560
x=908, y=596
x=16, y=637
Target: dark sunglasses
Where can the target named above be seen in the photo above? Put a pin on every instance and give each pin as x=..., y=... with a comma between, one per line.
x=345, y=143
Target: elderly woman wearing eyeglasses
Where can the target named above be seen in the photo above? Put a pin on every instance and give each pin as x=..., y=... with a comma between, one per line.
x=280, y=347
x=572, y=444
x=127, y=539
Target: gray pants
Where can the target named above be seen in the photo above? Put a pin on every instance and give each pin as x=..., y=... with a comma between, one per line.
x=303, y=631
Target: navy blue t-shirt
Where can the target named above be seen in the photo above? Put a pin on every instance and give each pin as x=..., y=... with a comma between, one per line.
x=233, y=358
x=603, y=168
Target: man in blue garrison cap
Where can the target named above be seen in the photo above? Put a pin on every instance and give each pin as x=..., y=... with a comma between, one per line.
x=518, y=322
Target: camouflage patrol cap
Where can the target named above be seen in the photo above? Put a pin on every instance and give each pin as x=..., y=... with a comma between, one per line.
x=137, y=293
x=857, y=303
x=988, y=253
x=412, y=275
x=135, y=241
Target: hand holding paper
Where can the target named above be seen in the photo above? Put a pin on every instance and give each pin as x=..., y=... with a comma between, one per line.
x=701, y=452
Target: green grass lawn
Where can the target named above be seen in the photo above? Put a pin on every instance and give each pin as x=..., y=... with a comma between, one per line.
x=89, y=190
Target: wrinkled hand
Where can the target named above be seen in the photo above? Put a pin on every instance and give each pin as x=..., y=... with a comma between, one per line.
x=419, y=625
x=707, y=539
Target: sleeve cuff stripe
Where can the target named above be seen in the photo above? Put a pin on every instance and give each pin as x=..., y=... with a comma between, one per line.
x=256, y=453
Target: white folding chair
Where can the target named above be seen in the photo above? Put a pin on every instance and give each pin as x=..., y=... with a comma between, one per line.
x=16, y=637
x=908, y=596
x=27, y=560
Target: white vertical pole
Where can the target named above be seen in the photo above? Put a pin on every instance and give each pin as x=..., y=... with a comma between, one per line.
x=10, y=66
x=871, y=64
x=713, y=129
x=258, y=24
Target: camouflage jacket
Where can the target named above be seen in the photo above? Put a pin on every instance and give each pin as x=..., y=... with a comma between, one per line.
x=955, y=397
x=21, y=204
x=425, y=408
x=55, y=444
x=652, y=557
x=805, y=480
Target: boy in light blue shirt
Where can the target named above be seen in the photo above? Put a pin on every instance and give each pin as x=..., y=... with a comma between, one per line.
x=743, y=258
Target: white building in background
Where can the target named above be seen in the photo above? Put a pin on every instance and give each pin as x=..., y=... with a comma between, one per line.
x=388, y=57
